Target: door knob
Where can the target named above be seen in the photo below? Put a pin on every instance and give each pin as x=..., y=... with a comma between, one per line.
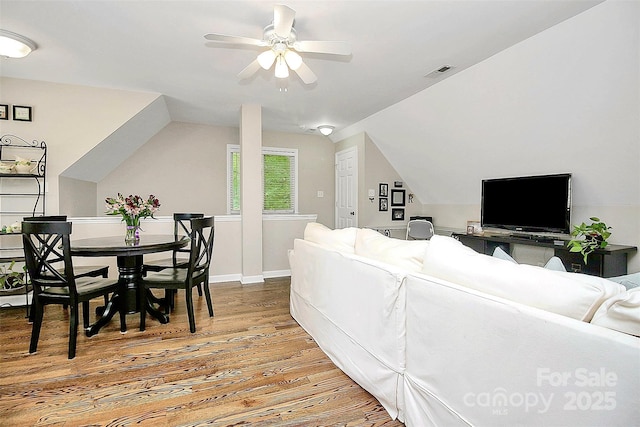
x=352, y=213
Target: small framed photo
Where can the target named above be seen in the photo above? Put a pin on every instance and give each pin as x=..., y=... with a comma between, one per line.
x=397, y=197
x=398, y=184
x=474, y=227
x=4, y=112
x=383, y=191
x=383, y=204
x=397, y=214
x=22, y=113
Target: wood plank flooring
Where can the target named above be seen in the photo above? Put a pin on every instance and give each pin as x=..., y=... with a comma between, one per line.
x=251, y=364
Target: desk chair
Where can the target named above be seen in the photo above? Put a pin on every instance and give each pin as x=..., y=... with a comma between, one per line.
x=196, y=273
x=419, y=229
x=46, y=245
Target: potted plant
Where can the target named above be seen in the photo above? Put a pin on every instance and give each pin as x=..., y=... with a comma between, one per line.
x=11, y=280
x=588, y=238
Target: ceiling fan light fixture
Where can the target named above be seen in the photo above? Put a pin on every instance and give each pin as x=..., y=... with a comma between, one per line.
x=265, y=59
x=282, y=71
x=326, y=130
x=14, y=45
x=294, y=61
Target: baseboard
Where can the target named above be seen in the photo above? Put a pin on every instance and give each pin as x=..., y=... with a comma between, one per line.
x=220, y=278
x=276, y=273
x=258, y=278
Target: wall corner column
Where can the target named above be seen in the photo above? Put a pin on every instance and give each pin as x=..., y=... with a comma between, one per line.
x=251, y=192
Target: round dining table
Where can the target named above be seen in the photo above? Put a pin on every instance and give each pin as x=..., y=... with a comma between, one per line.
x=130, y=262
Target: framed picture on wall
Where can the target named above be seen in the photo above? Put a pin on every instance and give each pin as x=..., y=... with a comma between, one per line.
x=22, y=113
x=397, y=214
x=383, y=204
x=383, y=191
x=4, y=112
x=397, y=197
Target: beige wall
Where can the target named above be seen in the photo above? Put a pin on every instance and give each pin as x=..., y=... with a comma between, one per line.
x=77, y=197
x=373, y=169
x=184, y=165
x=315, y=171
x=70, y=119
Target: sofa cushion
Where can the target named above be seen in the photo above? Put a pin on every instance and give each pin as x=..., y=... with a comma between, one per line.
x=629, y=281
x=498, y=252
x=570, y=294
x=620, y=312
x=406, y=254
x=555, y=263
x=341, y=240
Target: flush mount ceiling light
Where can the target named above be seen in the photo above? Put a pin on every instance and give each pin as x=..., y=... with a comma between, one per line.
x=326, y=130
x=14, y=45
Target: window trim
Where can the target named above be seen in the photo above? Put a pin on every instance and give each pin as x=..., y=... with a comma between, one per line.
x=291, y=152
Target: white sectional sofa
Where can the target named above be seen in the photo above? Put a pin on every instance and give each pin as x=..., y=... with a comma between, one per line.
x=443, y=336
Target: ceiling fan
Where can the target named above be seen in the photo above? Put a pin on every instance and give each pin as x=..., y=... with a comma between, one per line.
x=281, y=39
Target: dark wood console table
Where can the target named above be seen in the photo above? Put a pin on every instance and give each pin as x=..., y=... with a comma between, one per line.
x=608, y=262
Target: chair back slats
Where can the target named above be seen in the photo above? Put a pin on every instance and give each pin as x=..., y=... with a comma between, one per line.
x=181, y=228
x=201, y=248
x=47, y=248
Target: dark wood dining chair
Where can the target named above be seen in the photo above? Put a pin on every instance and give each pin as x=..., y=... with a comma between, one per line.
x=80, y=270
x=47, y=255
x=179, y=257
x=196, y=273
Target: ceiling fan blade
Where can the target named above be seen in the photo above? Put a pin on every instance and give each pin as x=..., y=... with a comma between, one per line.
x=334, y=48
x=283, y=17
x=234, y=39
x=305, y=73
x=249, y=70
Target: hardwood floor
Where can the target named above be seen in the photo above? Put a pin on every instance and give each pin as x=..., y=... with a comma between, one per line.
x=251, y=364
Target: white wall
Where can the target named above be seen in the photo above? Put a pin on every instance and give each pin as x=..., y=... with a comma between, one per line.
x=565, y=100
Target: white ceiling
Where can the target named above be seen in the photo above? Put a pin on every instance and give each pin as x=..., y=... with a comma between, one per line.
x=158, y=46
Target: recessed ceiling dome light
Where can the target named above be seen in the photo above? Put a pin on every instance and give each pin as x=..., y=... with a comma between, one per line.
x=326, y=130
x=14, y=45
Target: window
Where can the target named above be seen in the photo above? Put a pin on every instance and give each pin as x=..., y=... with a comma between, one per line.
x=279, y=180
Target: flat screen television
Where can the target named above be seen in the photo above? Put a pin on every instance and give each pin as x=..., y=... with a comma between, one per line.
x=528, y=203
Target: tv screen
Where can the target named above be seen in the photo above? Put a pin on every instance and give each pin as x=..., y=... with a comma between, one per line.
x=530, y=203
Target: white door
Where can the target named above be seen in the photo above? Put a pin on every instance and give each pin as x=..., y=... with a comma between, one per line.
x=347, y=188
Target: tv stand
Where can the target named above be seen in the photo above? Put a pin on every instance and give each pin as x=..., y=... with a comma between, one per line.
x=608, y=262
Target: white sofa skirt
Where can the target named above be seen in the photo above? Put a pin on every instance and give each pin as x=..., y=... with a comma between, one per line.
x=365, y=340
x=473, y=359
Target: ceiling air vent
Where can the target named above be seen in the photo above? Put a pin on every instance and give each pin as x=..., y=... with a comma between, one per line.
x=440, y=71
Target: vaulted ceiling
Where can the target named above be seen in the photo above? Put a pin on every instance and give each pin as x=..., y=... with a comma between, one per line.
x=158, y=46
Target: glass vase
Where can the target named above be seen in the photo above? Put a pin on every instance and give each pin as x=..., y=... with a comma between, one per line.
x=132, y=235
